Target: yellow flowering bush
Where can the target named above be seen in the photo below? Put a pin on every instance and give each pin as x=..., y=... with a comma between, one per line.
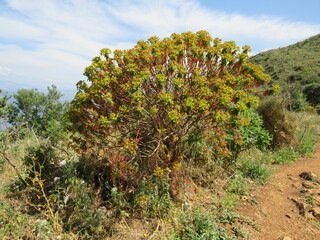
x=143, y=103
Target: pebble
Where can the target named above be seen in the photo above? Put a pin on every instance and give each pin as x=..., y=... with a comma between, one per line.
x=286, y=238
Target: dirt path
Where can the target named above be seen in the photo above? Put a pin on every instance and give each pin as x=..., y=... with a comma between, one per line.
x=288, y=206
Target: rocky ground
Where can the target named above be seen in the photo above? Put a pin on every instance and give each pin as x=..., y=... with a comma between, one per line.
x=289, y=206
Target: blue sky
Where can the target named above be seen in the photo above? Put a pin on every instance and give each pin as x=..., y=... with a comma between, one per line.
x=45, y=42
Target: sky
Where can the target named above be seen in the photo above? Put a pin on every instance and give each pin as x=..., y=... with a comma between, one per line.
x=45, y=42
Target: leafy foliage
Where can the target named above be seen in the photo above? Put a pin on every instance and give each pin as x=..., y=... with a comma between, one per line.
x=4, y=107
x=298, y=101
x=200, y=225
x=38, y=111
x=142, y=104
x=250, y=135
x=154, y=198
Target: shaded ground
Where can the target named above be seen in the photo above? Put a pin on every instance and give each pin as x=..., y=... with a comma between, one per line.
x=289, y=205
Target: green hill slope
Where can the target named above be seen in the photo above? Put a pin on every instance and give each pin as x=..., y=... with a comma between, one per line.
x=298, y=63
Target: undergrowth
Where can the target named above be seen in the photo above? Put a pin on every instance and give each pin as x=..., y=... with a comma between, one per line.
x=55, y=201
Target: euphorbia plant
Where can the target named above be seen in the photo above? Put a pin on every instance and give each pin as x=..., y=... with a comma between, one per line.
x=140, y=105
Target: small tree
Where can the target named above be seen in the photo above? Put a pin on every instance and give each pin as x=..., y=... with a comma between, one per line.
x=37, y=110
x=142, y=104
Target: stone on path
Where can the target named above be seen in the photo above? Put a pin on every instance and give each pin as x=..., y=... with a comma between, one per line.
x=286, y=238
x=310, y=176
x=316, y=213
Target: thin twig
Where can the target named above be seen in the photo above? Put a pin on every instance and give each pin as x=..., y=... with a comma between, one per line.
x=13, y=166
x=34, y=135
x=304, y=133
x=157, y=228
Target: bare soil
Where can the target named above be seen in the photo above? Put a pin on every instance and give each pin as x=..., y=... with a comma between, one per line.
x=289, y=205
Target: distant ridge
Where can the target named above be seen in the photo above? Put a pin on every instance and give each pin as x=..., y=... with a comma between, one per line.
x=295, y=64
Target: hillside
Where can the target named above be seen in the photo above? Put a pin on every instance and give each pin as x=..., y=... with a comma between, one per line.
x=297, y=63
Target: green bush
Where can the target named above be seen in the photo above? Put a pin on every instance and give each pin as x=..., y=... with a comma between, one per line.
x=81, y=214
x=298, y=100
x=42, y=158
x=312, y=92
x=44, y=113
x=253, y=134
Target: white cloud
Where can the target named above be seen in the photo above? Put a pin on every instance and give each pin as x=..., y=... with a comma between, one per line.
x=165, y=17
x=52, y=41
x=5, y=70
x=15, y=28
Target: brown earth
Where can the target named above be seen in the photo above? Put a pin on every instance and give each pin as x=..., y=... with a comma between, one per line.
x=289, y=205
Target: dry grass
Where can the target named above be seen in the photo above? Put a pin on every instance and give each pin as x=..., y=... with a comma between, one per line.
x=282, y=125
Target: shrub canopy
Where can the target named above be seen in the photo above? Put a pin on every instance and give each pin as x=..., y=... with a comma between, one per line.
x=142, y=104
x=39, y=111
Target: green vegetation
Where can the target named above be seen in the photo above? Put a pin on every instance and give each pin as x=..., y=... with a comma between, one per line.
x=312, y=93
x=3, y=106
x=198, y=224
x=38, y=111
x=165, y=139
x=296, y=69
x=297, y=63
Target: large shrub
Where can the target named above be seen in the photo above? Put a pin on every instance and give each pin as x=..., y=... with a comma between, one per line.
x=141, y=105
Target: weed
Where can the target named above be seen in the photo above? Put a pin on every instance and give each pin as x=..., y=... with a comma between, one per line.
x=230, y=200
x=239, y=185
x=308, y=140
x=228, y=217
x=253, y=201
x=154, y=196
x=240, y=233
x=197, y=224
x=281, y=156
x=79, y=206
x=2, y=164
x=16, y=225
x=309, y=198
x=256, y=171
